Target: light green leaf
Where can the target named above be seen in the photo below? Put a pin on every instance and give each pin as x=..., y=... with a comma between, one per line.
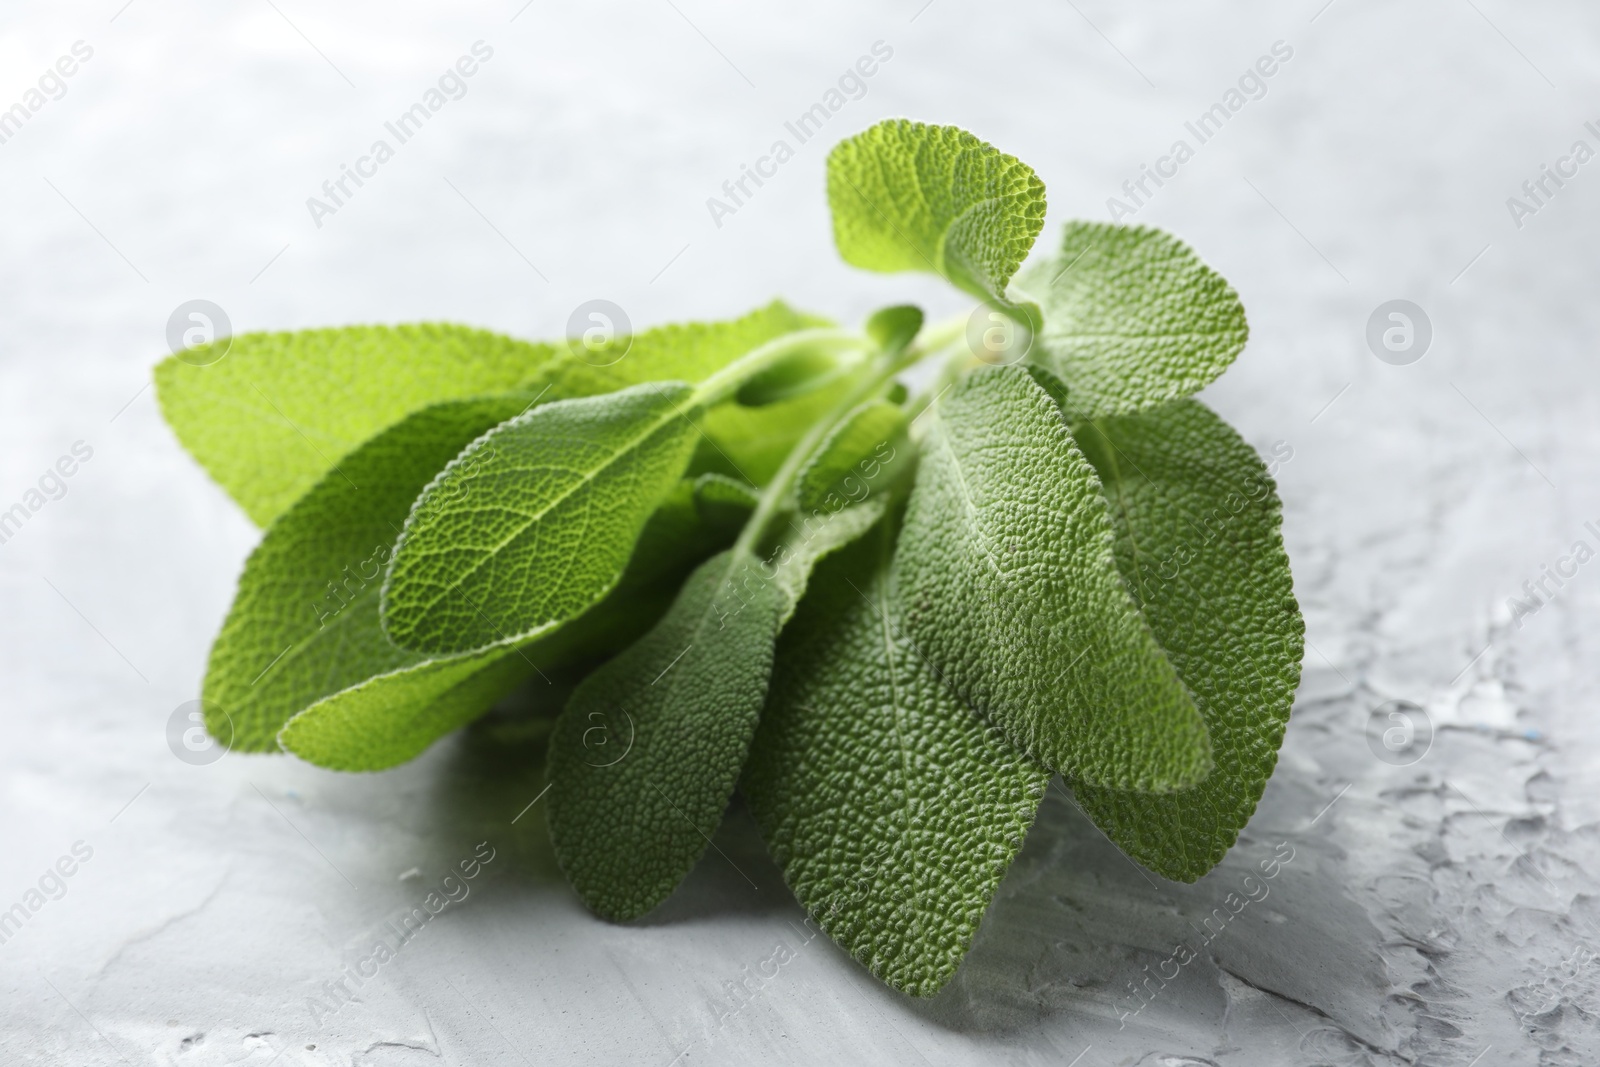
x=892, y=807
x=868, y=451
x=895, y=327
x=1012, y=591
x=1132, y=318
x=303, y=632
x=533, y=524
x=275, y=414
x=647, y=753
x=805, y=371
x=304, y=622
x=393, y=717
x=908, y=196
x=279, y=410
x=1197, y=539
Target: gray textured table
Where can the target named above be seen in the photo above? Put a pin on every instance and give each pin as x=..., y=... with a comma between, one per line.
x=1439, y=909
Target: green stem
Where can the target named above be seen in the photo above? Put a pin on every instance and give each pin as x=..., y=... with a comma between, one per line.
x=775, y=495
x=725, y=382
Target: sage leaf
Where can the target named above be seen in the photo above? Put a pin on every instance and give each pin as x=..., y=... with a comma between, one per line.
x=1012, y=591
x=1196, y=520
x=892, y=807
x=646, y=756
x=279, y=410
x=534, y=523
x=1131, y=318
x=909, y=196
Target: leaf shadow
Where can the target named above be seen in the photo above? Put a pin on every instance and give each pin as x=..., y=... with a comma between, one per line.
x=1077, y=927
x=734, y=879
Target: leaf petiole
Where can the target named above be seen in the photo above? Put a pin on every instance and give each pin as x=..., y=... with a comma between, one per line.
x=726, y=382
x=874, y=376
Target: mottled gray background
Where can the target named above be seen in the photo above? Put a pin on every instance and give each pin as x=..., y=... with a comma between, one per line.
x=1440, y=913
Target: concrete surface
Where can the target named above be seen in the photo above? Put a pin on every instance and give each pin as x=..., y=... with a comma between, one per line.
x=1440, y=904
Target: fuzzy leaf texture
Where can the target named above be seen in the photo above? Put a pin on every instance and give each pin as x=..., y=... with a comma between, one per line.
x=303, y=640
x=1012, y=591
x=646, y=756
x=533, y=524
x=302, y=643
x=909, y=196
x=391, y=718
x=304, y=621
x=1132, y=318
x=1197, y=539
x=868, y=451
x=892, y=808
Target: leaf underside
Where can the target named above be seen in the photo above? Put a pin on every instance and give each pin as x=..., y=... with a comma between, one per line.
x=1012, y=592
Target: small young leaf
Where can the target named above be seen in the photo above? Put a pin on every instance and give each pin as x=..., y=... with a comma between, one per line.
x=867, y=452
x=750, y=444
x=645, y=757
x=892, y=808
x=908, y=196
x=894, y=328
x=1012, y=591
x=533, y=524
x=1132, y=318
x=279, y=410
x=1197, y=539
x=804, y=371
